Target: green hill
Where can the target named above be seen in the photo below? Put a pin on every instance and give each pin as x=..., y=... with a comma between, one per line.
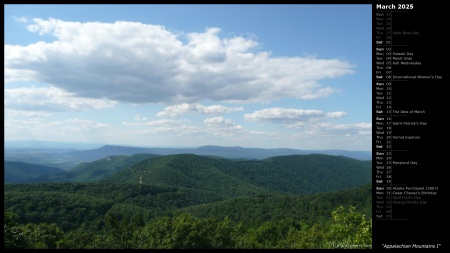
x=190, y=171
x=16, y=172
x=96, y=170
x=293, y=174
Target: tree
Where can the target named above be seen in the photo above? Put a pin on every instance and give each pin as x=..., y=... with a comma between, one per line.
x=306, y=238
x=350, y=230
x=43, y=235
x=14, y=236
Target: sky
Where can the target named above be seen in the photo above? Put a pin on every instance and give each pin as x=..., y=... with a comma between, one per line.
x=261, y=76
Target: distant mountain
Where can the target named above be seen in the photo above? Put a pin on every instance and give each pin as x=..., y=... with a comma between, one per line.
x=96, y=170
x=259, y=153
x=66, y=159
x=226, y=152
x=294, y=174
x=16, y=172
x=108, y=150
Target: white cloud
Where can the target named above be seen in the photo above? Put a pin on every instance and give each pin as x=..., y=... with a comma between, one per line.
x=20, y=19
x=27, y=114
x=165, y=128
x=158, y=123
x=177, y=110
x=356, y=129
x=83, y=124
x=218, y=126
x=291, y=116
x=50, y=99
x=221, y=122
x=336, y=114
x=142, y=63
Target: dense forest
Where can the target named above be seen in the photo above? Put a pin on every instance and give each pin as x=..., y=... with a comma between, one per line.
x=19, y=172
x=190, y=201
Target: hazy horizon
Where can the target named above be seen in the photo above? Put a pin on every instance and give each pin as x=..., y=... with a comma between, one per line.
x=98, y=145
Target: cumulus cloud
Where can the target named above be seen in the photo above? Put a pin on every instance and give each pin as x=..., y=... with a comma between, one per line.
x=218, y=126
x=144, y=63
x=221, y=122
x=288, y=115
x=177, y=110
x=50, y=99
x=335, y=114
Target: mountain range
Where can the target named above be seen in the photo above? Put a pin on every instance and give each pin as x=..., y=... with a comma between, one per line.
x=67, y=158
x=226, y=152
x=292, y=174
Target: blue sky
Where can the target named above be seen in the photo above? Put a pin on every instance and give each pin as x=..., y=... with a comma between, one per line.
x=268, y=76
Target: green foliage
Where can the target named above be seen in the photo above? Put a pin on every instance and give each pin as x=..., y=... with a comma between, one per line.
x=71, y=205
x=314, y=237
x=81, y=239
x=311, y=209
x=268, y=235
x=14, y=237
x=43, y=235
x=185, y=232
x=67, y=210
x=351, y=229
x=318, y=173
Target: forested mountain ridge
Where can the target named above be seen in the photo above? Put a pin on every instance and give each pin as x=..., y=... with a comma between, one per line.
x=190, y=171
x=294, y=174
x=16, y=172
x=210, y=150
x=94, y=171
x=66, y=158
